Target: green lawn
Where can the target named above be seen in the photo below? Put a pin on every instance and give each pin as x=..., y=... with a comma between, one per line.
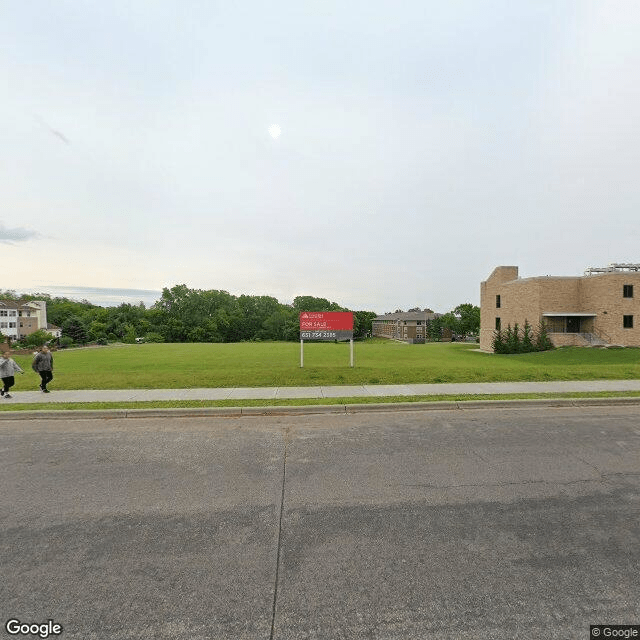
x=278, y=364
x=297, y=402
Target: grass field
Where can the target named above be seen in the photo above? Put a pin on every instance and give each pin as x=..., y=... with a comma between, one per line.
x=199, y=404
x=166, y=366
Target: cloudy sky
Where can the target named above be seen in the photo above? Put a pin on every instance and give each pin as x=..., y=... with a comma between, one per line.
x=421, y=144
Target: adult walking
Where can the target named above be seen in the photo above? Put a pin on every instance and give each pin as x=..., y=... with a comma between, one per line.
x=43, y=364
x=8, y=366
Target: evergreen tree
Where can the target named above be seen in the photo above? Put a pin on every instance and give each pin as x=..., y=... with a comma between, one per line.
x=543, y=343
x=73, y=327
x=509, y=341
x=527, y=345
x=498, y=342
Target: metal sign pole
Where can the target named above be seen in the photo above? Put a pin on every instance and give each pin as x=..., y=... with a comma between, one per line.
x=301, y=353
x=351, y=342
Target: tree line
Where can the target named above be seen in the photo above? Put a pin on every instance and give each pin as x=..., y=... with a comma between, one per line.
x=197, y=315
x=186, y=315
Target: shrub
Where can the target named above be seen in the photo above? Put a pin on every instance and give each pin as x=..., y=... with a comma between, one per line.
x=543, y=343
x=36, y=339
x=527, y=343
x=152, y=336
x=513, y=340
x=498, y=342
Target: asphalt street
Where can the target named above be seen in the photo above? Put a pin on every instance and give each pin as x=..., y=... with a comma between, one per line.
x=482, y=523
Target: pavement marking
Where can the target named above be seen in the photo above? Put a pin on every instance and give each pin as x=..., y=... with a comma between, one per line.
x=275, y=587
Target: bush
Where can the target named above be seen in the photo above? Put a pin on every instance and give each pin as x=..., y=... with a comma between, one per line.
x=513, y=340
x=36, y=339
x=66, y=341
x=498, y=342
x=543, y=343
x=152, y=336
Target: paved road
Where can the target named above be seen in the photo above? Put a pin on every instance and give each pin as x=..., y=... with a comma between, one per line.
x=340, y=391
x=519, y=523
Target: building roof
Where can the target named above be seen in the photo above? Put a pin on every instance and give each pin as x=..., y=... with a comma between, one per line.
x=408, y=316
x=21, y=304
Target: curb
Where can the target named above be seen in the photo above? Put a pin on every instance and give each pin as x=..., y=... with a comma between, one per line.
x=238, y=412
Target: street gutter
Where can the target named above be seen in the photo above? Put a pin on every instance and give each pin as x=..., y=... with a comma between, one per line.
x=237, y=412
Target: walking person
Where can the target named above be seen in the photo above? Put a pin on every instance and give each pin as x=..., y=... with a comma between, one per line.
x=43, y=364
x=8, y=366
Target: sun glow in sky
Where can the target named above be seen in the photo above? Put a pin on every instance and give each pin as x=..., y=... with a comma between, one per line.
x=275, y=131
x=423, y=147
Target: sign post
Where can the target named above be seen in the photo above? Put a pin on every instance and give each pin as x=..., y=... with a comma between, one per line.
x=325, y=325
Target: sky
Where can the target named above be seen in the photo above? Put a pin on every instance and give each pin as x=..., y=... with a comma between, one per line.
x=382, y=154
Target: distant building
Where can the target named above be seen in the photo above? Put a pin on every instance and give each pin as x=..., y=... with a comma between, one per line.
x=599, y=308
x=410, y=326
x=19, y=318
x=55, y=331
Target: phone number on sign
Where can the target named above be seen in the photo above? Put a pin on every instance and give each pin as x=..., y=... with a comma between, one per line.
x=311, y=335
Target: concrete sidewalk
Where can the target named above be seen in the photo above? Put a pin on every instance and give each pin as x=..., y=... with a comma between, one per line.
x=288, y=393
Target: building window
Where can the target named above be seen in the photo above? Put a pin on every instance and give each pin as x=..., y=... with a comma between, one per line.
x=627, y=291
x=497, y=324
x=497, y=302
x=627, y=322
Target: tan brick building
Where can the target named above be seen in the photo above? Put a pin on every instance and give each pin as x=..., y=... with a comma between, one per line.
x=19, y=318
x=408, y=326
x=600, y=307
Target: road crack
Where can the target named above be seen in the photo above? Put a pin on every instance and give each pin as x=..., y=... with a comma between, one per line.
x=279, y=548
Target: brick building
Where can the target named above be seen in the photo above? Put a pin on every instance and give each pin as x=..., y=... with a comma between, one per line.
x=19, y=318
x=599, y=308
x=410, y=326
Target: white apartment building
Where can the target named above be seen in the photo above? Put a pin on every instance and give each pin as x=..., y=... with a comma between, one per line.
x=19, y=318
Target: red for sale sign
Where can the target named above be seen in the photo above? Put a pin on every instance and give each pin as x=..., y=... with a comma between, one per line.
x=326, y=325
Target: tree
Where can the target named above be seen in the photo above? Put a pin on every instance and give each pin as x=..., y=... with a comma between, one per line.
x=37, y=338
x=154, y=337
x=283, y=325
x=498, y=342
x=514, y=343
x=362, y=323
x=512, y=340
x=543, y=343
x=469, y=315
x=527, y=344
x=309, y=303
x=434, y=329
x=97, y=330
x=451, y=321
x=129, y=336
x=74, y=328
